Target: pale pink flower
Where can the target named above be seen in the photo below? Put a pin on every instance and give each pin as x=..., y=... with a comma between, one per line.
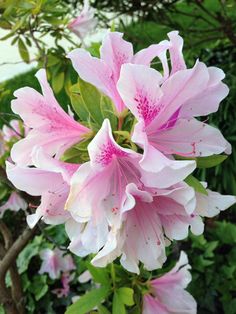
x=51, y=127
x=115, y=51
x=98, y=190
x=165, y=109
x=167, y=293
x=212, y=204
x=148, y=220
x=85, y=22
x=50, y=180
x=54, y=262
x=15, y=202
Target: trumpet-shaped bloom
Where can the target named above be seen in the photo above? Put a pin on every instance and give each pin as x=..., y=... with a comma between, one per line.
x=54, y=262
x=51, y=128
x=14, y=203
x=50, y=180
x=167, y=293
x=85, y=22
x=115, y=51
x=162, y=125
x=115, y=167
x=148, y=220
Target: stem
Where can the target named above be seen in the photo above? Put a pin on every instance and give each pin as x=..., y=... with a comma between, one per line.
x=113, y=275
x=7, y=299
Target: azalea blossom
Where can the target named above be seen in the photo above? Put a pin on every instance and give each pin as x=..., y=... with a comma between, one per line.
x=115, y=51
x=44, y=116
x=85, y=22
x=150, y=220
x=50, y=180
x=165, y=109
x=153, y=218
x=167, y=294
x=15, y=202
x=100, y=205
x=54, y=262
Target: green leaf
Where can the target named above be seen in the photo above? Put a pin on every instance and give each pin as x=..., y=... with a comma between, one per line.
x=58, y=82
x=99, y=275
x=23, y=51
x=103, y=310
x=31, y=250
x=108, y=111
x=78, y=103
x=39, y=286
x=88, y=301
x=210, y=161
x=92, y=98
x=126, y=295
x=117, y=305
x=193, y=182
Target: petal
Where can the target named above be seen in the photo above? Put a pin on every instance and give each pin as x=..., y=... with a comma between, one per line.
x=43, y=114
x=116, y=51
x=209, y=99
x=145, y=56
x=176, y=56
x=97, y=73
x=210, y=205
x=103, y=148
x=190, y=138
x=178, y=88
x=159, y=171
x=153, y=306
x=31, y=180
x=47, y=163
x=139, y=88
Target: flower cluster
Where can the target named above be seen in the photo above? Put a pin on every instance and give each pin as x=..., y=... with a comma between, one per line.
x=129, y=199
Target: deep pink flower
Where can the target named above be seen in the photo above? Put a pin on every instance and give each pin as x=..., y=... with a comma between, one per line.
x=85, y=22
x=14, y=203
x=51, y=128
x=50, y=180
x=65, y=290
x=115, y=51
x=165, y=109
x=54, y=262
x=168, y=295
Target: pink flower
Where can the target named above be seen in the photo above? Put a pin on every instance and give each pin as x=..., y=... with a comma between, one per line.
x=14, y=203
x=149, y=219
x=64, y=291
x=168, y=295
x=98, y=190
x=115, y=51
x=165, y=108
x=44, y=116
x=85, y=22
x=54, y=262
x=50, y=180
